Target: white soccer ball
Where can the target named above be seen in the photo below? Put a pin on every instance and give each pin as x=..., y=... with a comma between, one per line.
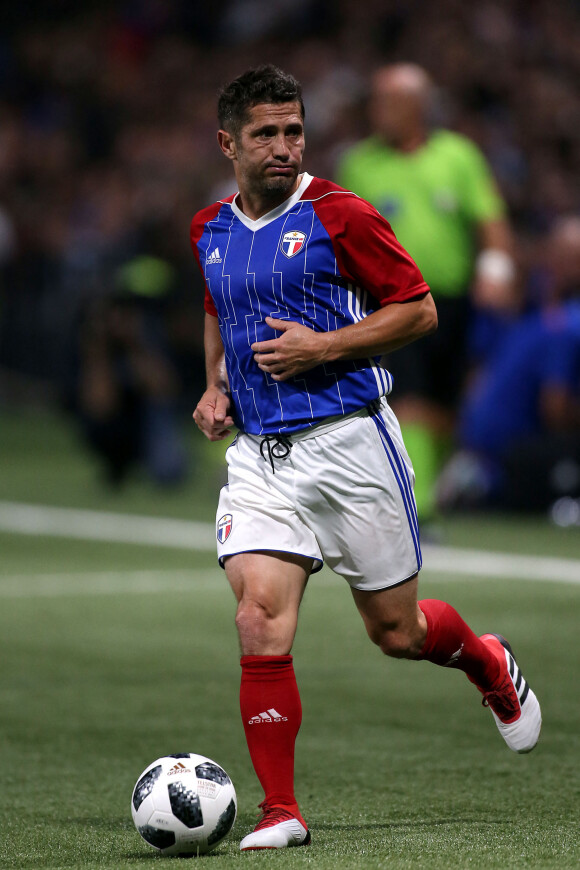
x=184, y=804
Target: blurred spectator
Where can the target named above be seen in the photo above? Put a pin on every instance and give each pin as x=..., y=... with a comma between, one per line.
x=437, y=191
x=126, y=389
x=519, y=430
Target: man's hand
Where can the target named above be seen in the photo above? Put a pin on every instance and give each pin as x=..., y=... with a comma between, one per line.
x=297, y=350
x=212, y=414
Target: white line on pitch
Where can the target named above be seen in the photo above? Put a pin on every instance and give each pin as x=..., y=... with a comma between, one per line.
x=110, y=583
x=96, y=583
x=26, y=519
x=183, y=534
x=486, y=563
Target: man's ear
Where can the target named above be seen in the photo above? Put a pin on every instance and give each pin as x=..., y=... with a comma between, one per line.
x=227, y=143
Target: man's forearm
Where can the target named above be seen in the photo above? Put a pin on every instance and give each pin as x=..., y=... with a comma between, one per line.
x=299, y=348
x=215, y=363
x=383, y=331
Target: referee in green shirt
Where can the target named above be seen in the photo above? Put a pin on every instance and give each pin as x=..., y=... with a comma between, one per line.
x=438, y=193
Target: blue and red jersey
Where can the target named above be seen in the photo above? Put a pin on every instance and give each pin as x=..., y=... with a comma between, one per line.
x=324, y=258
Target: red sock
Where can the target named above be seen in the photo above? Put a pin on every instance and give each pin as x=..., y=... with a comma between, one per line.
x=451, y=643
x=271, y=713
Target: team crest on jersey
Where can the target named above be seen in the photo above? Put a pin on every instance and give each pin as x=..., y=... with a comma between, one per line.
x=292, y=243
x=224, y=527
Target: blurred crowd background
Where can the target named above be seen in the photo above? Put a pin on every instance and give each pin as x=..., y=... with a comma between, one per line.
x=108, y=148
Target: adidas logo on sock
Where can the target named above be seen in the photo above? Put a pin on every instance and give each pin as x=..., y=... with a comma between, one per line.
x=270, y=715
x=213, y=258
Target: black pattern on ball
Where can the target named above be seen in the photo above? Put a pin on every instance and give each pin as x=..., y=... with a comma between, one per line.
x=185, y=804
x=156, y=837
x=209, y=770
x=179, y=755
x=145, y=786
x=224, y=825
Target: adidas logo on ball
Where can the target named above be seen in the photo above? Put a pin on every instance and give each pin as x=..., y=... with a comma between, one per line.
x=178, y=768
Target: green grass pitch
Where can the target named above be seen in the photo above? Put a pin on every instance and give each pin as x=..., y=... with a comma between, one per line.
x=114, y=654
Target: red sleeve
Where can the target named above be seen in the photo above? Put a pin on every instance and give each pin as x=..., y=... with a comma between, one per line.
x=208, y=303
x=196, y=231
x=366, y=248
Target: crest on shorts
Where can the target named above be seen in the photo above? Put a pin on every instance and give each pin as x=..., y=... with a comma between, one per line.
x=292, y=243
x=224, y=527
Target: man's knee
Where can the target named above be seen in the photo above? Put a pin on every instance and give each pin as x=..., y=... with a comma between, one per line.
x=253, y=616
x=397, y=641
x=393, y=620
x=264, y=630
x=269, y=589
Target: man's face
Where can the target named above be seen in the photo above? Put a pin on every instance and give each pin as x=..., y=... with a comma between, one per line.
x=267, y=152
x=398, y=103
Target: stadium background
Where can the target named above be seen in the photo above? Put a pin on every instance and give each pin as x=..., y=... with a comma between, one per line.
x=107, y=133
x=116, y=649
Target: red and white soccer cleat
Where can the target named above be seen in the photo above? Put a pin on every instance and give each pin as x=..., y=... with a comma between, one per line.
x=514, y=706
x=279, y=827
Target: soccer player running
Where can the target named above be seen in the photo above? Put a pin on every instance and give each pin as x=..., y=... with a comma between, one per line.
x=307, y=289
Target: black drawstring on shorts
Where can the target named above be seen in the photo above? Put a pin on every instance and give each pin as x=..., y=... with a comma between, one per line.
x=277, y=447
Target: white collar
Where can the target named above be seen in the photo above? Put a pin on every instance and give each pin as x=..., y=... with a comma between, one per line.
x=276, y=212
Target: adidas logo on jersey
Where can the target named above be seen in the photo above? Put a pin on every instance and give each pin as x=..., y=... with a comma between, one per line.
x=270, y=715
x=213, y=258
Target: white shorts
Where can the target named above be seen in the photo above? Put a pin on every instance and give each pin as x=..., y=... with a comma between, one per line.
x=343, y=495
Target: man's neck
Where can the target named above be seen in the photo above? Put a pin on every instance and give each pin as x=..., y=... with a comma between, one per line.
x=409, y=142
x=256, y=206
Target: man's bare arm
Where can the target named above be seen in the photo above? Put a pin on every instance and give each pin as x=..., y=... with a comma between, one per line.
x=213, y=412
x=300, y=348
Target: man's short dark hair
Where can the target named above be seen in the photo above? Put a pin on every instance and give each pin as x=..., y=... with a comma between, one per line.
x=264, y=84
